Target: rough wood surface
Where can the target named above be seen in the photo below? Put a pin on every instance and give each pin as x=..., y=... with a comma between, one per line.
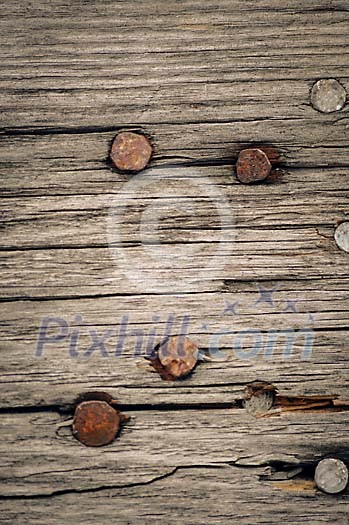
x=57, y=377
x=202, y=80
x=154, y=442
x=191, y=495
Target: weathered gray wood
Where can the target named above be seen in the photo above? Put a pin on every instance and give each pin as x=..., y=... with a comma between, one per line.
x=288, y=201
x=153, y=443
x=194, y=495
x=203, y=79
x=77, y=163
x=250, y=207
x=57, y=377
x=180, y=63
x=256, y=255
x=223, y=75
x=299, y=244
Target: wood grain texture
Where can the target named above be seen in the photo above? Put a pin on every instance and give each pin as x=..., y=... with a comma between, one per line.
x=57, y=376
x=152, y=63
x=193, y=496
x=203, y=80
x=153, y=443
x=280, y=203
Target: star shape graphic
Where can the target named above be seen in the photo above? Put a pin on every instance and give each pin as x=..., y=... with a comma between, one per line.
x=291, y=306
x=230, y=308
x=265, y=295
x=204, y=326
x=311, y=318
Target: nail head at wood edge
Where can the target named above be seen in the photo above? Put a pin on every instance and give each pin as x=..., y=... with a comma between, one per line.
x=331, y=475
x=341, y=236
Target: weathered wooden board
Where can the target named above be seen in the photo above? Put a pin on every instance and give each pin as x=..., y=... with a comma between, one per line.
x=55, y=376
x=68, y=272
x=190, y=196
x=203, y=80
x=152, y=63
x=153, y=443
x=77, y=162
x=194, y=495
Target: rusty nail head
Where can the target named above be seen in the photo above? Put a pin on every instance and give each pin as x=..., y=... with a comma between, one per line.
x=130, y=151
x=178, y=355
x=331, y=475
x=175, y=358
x=253, y=165
x=96, y=423
x=328, y=95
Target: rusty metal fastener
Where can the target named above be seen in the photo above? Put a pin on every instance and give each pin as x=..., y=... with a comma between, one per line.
x=130, y=151
x=175, y=358
x=253, y=165
x=342, y=236
x=331, y=475
x=96, y=423
x=328, y=95
x=259, y=398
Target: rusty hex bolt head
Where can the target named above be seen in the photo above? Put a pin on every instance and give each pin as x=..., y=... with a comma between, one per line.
x=253, y=165
x=175, y=358
x=96, y=423
x=331, y=475
x=130, y=151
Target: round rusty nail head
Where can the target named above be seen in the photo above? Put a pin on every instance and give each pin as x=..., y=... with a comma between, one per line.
x=331, y=475
x=178, y=355
x=342, y=236
x=130, y=151
x=253, y=165
x=328, y=95
x=95, y=423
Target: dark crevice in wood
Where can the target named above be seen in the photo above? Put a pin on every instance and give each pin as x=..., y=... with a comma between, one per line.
x=95, y=296
x=33, y=409
x=155, y=479
x=100, y=488
x=151, y=407
x=63, y=130
x=107, y=129
x=328, y=403
x=230, y=282
x=280, y=470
